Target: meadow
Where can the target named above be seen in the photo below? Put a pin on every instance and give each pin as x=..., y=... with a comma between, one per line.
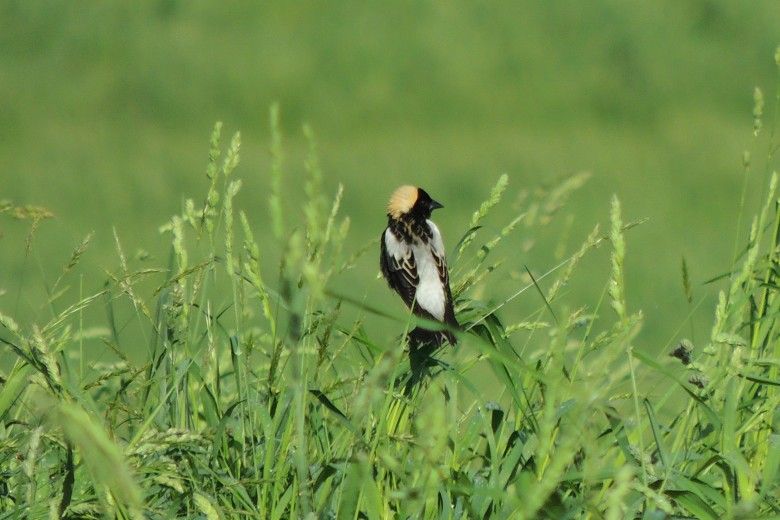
x=265, y=400
x=106, y=114
x=181, y=345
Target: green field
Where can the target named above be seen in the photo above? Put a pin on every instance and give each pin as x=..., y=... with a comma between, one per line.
x=106, y=113
x=243, y=359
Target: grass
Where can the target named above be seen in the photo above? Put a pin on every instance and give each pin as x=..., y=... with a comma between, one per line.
x=225, y=385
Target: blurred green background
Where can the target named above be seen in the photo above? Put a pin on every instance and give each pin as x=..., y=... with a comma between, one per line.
x=106, y=109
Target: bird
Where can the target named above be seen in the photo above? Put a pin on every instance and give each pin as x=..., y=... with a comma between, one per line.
x=412, y=260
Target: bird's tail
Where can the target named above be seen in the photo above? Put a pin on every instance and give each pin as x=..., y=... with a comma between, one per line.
x=420, y=338
x=423, y=344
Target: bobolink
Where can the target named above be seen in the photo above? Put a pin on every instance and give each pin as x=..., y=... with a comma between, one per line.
x=412, y=261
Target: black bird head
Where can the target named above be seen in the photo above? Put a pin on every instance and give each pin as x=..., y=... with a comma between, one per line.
x=410, y=202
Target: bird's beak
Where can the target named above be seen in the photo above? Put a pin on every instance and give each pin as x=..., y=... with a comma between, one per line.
x=435, y=205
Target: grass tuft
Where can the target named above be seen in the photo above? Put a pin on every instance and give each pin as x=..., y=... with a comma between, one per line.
x=216, y=385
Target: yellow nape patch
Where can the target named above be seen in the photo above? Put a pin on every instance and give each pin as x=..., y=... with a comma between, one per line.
x=401, y=201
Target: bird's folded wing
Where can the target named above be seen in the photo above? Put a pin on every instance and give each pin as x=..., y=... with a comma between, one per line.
x=398, y=266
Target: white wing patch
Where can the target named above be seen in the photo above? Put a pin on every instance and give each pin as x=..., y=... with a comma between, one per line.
x=395, y=247
x=430, y=291
x=438, y=243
